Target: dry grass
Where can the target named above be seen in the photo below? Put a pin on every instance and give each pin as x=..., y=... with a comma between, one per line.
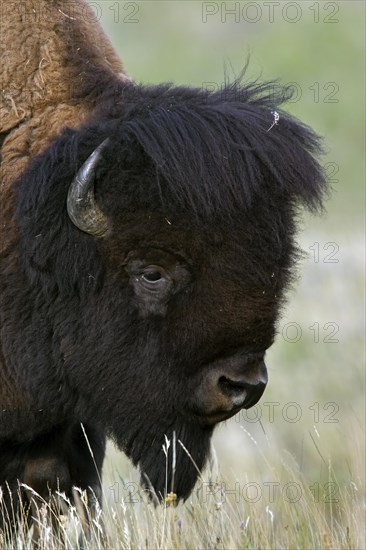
x=280, y=510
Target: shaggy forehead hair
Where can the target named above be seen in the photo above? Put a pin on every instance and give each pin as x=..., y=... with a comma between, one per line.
x=217, y=152
x=207, y=156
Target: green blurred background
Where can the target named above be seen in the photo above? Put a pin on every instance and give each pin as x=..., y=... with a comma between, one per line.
x=317, y=374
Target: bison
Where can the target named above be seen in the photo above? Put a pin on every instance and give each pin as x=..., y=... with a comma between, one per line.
x=147, y=244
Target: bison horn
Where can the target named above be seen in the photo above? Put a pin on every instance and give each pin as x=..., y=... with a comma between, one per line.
x=82, y=206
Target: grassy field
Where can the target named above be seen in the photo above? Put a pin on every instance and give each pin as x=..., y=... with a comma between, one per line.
x=290, y=473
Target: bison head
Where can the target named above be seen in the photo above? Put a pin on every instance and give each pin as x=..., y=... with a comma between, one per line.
x=157, y=243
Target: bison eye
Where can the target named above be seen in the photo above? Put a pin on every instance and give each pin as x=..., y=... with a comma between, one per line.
x=154, y=278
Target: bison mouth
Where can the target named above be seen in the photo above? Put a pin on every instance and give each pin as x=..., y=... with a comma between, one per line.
x=248, y=401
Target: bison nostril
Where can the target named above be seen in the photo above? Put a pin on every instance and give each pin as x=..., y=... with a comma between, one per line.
x=232, y=386
x=236, y=389
x=244, y=391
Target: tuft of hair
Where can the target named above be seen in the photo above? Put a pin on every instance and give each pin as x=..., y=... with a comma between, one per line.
x=217, y=151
